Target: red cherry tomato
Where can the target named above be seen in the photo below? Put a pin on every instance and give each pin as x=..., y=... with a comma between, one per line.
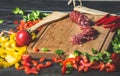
x=23, y=38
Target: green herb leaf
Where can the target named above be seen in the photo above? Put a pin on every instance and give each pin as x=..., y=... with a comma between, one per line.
x=18, y=11
x=1, y=21
x=35, y=14
x=44, y=49
x=60, y=52
x=94, y=51
x=94, y=58
x=76, y=53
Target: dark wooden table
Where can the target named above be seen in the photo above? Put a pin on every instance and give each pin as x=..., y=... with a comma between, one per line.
x=6, y=7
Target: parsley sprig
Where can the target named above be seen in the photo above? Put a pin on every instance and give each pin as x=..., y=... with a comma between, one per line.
x=116, y=42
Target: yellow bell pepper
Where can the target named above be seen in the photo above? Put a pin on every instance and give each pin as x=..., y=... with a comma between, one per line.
x=10, y=54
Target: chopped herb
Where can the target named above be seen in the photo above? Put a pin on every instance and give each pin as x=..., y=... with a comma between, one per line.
x=1, y=21
x=18, y=11
x=93, y=58
x=76, y=53
x=35, y=14
x=108, y=54
x=94, y=51
x=60, y=52
x=44, y=49
x=67, y=72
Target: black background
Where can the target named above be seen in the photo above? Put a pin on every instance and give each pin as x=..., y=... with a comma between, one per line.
x=6, y=7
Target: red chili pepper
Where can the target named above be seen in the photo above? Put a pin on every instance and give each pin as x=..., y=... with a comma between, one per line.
x=54, y=59
x=75, y=66
x=95, y=65
x=77, y=58
x=116, y=58
x=113, y=27
x=80, y=68
x=84, y=58
x=63, y=69
x=110, y=67
x=35, y=63
x=69, y=60
x=48, y=64
x=41, y=60
x=21, y=68
x=111, y=20
x=98, y=65
x=33, y=70
x=39, y=66
x=102, y=20
x=88, y=64
x=86, y=69
x=110, y=26
x=36, y=50
x=27, y=70
x=102, y=66
x=26, y=57
x=57, y=60
x=16, y=22
x=25, y=63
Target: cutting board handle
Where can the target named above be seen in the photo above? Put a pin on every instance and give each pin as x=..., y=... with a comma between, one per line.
x=90, y=11
x=49, y=19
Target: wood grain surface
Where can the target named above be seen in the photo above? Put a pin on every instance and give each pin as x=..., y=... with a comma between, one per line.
x=57, y=35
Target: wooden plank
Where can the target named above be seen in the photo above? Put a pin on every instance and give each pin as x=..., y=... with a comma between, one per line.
x=58, y=34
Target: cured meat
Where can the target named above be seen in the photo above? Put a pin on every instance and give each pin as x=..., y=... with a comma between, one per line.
x=88, y=33
x=79, y=18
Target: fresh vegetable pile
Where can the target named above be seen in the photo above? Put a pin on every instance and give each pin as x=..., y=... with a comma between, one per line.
x=12, y=54
x=29, y=19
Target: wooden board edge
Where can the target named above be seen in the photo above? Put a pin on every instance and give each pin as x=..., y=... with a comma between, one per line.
x=30, y=46
x=107, y=42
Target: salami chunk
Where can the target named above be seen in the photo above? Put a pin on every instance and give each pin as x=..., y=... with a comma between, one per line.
x=79, y=18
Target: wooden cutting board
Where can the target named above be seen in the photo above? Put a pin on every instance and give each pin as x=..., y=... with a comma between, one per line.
x=57, y=35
